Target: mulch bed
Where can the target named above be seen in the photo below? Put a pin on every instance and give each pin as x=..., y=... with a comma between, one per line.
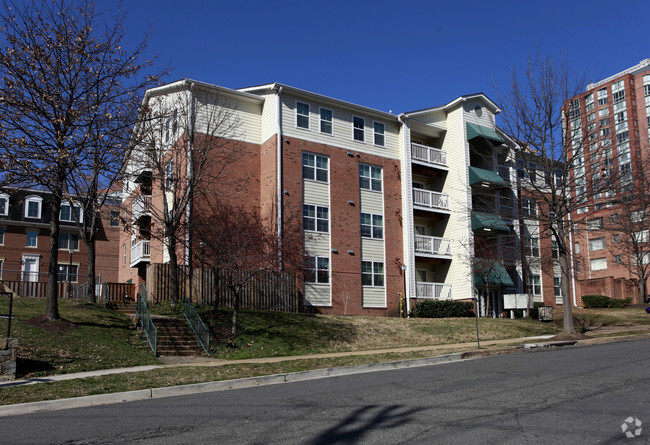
x=59, y=326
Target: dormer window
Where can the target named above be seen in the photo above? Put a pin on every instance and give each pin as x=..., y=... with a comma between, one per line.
x=4, y=204
x=33, y=206
x=66, y=214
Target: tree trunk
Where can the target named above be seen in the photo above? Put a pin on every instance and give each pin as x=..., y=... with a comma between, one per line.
x=91, y=271
x=52, y=303
x=173, y=260
x=235, y=314
x=642, y=291
x=567, y=308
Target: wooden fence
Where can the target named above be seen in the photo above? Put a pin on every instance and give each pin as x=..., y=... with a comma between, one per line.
x=119, y=292
x=276, y=291
x=34, y=289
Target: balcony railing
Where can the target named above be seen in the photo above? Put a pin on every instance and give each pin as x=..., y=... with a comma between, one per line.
x=432, y=245
x=435, y=291
x=432, y=200
x=429, y=155
x=141, y=206
x=141, y=252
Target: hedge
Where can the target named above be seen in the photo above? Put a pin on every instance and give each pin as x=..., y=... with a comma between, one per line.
x=443, y=308
x=601, y=301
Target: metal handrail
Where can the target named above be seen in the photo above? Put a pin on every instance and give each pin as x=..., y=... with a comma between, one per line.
x=198, y=327
x=146, y=324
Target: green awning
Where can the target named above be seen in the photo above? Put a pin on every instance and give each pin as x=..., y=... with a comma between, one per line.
x=479, y=131
x=488, y=221
x=479, y=175
x=497, y=275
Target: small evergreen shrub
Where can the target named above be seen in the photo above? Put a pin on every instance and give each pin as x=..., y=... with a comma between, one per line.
x=534, y=312
x=602, y=301
x=443, y=309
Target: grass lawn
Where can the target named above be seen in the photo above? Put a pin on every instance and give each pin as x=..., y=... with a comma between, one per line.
x=86, y=338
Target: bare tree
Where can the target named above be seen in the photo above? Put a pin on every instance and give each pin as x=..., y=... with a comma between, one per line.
x=551, y=159
x=188, y=138
x=64, y=76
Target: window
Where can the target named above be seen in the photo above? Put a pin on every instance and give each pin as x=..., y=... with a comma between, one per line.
x=589, y=102
x=315, y=218
x=358, y=126
x=557, y=287
x=528, y=207
x=302, y=115
x=578, y=266
x=2, y=236
x=616, y=238
x=595, y=224
x=555, y=249
x=642, y=236
x=617, y=259
x=2, y=264
x=32, y=238
x=68, y=240
x=596, y=244
x=317, y=270
x=574, y=109
x=378, y=128
x=33, y=206
x=372, y=273
x=535, y=284
x=66, y=212
x=325, y=121
x=598, y=264
x=169, y=174
x=577, y=246
x=604, y=122
x=370, y=177
x=4, y=204
x=124, y=255
x=603, y=112
x=618, y=97
x=68, y=272
x=591, y=117
x=115, y=218
x=315, y=167
x=531, y=246
x=602, y=96
x=372, y=226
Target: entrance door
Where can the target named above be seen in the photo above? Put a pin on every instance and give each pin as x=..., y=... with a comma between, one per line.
x=30, y=268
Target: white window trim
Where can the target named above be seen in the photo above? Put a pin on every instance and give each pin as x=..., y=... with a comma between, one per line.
x=68, y=246
x=598, y=261
x=37, y=199
x=316, y=219
x=381, y=176
x=373, y=285
x=316, y=269
x=372, y=226
x=363, y=129
x=76, y=206
x=320, y=121
x=374, y=134
x=67, y=265
x=315, y=179
x=308, y=116
x=6, y=198
x=27, y=239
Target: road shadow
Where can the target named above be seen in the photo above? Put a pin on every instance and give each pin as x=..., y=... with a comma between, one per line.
x=360, y=422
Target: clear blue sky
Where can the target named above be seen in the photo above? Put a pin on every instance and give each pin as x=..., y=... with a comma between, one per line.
x=397, y=55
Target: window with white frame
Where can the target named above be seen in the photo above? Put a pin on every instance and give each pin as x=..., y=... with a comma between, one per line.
x=641, y=236
x=169, y=174
x=557, y=286
x=317, y=269
x=636, y=216
x=372, y=273
x=2, y=236
x=598, y=264
x=302, y=115
x=555, y=249
x=115, y=218
x=596, y=244
x=379, y=129
x=531, y=246
x=2, y=266
x=358, y=128
x=66, y=213
x=68, y=272
x=315, y=218
x=175, y=121
x=528, y=207
x=32, y=238
x=124, y=255
x=370, y=177
x=68, y=240
x=535, y=284
x=315, y=167
x=372, y=226
x=589, y=102
x=326, y=121
x=33, y=206
x=574, y=109
x=595, y=224
x=602, y=96
x=4, y=204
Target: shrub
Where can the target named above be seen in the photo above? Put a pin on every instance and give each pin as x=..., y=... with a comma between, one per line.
x=443, y=308
x=534, y=312
x=602, y=301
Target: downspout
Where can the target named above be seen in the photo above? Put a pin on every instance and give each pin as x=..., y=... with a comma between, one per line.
x=407, y=216
x=278, y=131
x=573, y=268
x=188, y=210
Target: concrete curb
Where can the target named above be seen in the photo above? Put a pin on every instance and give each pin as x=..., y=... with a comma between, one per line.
x=223, y=385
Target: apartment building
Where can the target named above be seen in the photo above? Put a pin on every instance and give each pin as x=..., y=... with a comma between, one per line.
x=25, y=216
x=611, y=122
x=390, y=206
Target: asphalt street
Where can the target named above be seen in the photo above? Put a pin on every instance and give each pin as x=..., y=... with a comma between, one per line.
x=568, y=395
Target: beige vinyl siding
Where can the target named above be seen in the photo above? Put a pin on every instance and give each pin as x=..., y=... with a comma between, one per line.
x=318, y=294
x=245, y=118
x=374, y=297
x=372, y=202
x=317, y=244
x=372, y=249
x=459, y=227
x=316, y=193
x=487, y=117
x=341, y=128
x=269, y=117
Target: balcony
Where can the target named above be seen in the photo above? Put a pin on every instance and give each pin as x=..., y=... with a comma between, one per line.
x=431, y=200
x=141, y=252
x=428, y=155
x=434, y=291
x=431, y=245
x=141, y=207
